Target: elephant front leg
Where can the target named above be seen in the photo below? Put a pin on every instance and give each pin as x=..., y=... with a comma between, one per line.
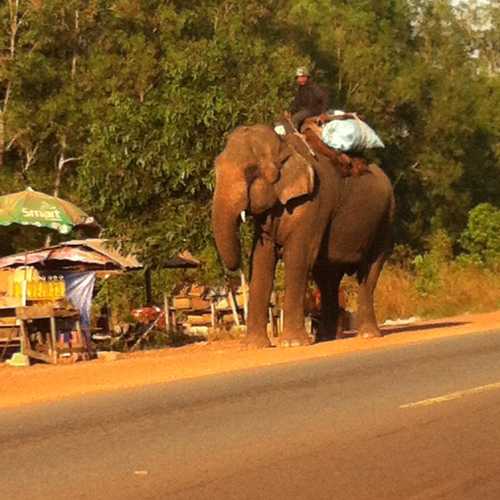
x=261, y=283
x=367, y=321
x=296, y=275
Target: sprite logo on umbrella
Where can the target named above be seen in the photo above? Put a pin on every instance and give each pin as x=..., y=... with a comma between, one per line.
x=33, y=208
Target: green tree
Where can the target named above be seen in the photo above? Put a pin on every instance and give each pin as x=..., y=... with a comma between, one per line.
x=481, y=237
x=123, y=105
x=155, y=132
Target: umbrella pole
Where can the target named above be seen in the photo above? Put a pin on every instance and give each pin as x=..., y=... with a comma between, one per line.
x=24, y=284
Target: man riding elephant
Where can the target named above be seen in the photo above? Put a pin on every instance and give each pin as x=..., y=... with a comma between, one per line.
x=310, y=99
x=309, y=112
x=306, y=214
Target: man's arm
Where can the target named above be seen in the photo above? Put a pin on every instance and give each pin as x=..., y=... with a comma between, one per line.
x=325, y=118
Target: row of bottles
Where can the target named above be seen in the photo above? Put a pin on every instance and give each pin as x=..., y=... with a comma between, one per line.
x=50, y=288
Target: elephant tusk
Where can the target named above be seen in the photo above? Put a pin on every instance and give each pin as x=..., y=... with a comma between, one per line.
x=243, y=216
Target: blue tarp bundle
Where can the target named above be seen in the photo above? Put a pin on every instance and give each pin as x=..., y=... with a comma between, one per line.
x=350, y=135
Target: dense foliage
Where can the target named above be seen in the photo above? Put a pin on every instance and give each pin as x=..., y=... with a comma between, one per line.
x=122, y=105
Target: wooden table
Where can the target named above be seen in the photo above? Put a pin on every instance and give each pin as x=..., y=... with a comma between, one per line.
x=36, y=312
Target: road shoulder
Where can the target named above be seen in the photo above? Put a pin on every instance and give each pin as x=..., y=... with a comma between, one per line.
x=46, y=383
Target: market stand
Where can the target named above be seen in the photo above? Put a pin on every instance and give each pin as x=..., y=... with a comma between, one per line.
x=9, y=328
x=54, y=347
x=35, y=209
x=46, y=315
x=26, y=296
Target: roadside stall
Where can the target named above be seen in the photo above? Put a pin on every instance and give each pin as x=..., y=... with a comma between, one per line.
x=53, y=311
x=26, y=296
x=32, y=299
x=9, y=328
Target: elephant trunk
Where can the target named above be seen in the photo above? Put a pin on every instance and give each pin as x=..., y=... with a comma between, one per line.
x=230, y=199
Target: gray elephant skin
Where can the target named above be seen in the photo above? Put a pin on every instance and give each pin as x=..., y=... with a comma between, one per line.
x=307, y=214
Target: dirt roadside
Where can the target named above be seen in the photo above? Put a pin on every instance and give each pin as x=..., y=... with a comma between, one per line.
x=44, y=383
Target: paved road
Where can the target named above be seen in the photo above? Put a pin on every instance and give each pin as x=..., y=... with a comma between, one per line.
x=419, y=421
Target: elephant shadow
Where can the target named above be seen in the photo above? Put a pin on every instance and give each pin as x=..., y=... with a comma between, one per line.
x=391, y=330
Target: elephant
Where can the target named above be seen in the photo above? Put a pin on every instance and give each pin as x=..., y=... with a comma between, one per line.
x=307, y=213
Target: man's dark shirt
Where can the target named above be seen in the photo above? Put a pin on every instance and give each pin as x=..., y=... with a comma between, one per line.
x=312, y=97
x=310, y=100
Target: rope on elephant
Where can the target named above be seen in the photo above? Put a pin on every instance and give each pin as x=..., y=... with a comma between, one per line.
x=300, y=136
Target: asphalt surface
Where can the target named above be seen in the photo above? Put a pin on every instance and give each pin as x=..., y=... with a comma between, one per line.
x=418, y=421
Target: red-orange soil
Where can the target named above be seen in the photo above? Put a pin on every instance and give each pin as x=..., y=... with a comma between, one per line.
x=43, y=383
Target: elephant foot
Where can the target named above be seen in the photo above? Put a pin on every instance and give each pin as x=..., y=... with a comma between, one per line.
x=297, y=340
x=328, y=332
x=369, y=333
x=325, y=337
x=256, y=342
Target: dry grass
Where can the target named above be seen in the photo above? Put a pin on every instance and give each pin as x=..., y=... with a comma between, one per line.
x=225, y=334
x=458, y=290
x=396, y=295
x=463, y=289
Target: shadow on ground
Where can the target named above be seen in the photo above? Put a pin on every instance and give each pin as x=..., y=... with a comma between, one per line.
x=390, y=330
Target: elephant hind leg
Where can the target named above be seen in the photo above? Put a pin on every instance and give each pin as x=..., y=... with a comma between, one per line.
x=328, y=281
x=367, y=279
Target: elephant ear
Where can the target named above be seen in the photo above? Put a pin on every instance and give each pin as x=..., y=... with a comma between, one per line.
x=296, y=179
x=269, y=152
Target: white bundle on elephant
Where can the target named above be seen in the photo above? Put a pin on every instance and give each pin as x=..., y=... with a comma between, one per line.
x=349, y=135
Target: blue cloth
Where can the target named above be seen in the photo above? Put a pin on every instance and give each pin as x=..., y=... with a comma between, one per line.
x=350, y=135
x=79, y=290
